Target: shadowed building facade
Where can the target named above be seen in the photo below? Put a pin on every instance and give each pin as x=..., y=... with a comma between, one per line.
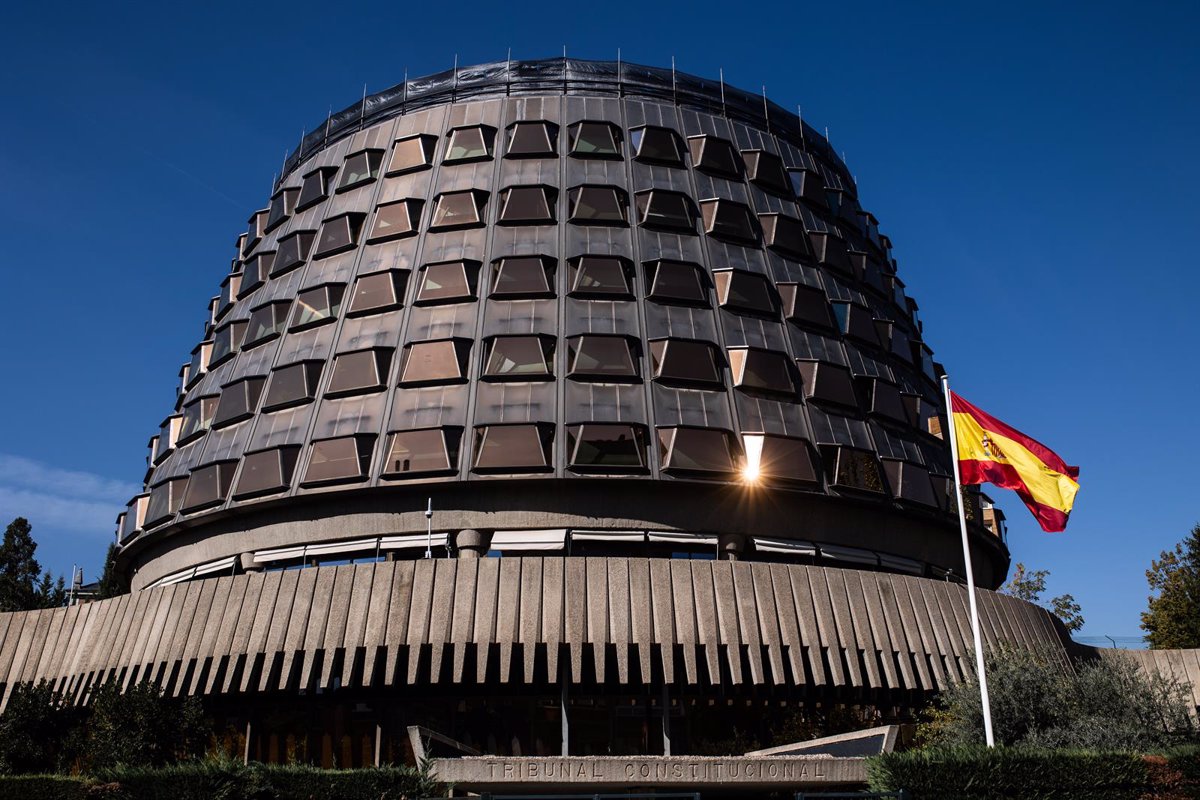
x=620, y=349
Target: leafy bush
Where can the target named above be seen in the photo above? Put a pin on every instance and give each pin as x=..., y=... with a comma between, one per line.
x=36, y=730
x=142, y=728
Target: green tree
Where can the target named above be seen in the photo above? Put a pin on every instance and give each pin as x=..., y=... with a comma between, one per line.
x=19, y=570
x=1172, y=620
x=143, y=728
x=1029, y=585
x=110, y=584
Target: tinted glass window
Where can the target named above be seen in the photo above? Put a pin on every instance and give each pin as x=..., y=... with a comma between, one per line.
x=600, y=276
x=317, y=306
x=806, y=305
x=597, y=205
x=441, y=361
x=761, y=370
x=657, y=146
x=238, y=401
x=470, y=144
x=512, y=448
x=665, y=210
x=728, y=220
x=526, y=204
x=360, y=169
x=208, y=486
x=226, y=341
x=596, y=356
x=266, y=322
x=255, y=272
x=784, y=234
x=685, y=362
x=411, y=153
x=827, y=383
x=851, y=468
x=199, y=362
x=254, y=232
x=420, y=452
x=604, y=447
x=595, y=140
x=359, y=371
x=267, y=471
x=197, y=416
x=376, y=292
x=784, y=458
x=395, y=220
x=338, y=235
x=715, y=156
x=457, y=209
x=808, y=186
x=165, y=500
x=453, y=281
x=856, y=321
x=766, y=170
x=744, y=291
x=293, y=251
x=676, y=282
x=293, y=385
x=520, y=357
x=521, y=276
x=531, y=140
x=283, y=205
x=695, y=450
x=314, y=189
x=344, y=459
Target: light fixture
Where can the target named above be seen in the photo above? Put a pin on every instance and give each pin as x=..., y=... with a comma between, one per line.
x=753, y=445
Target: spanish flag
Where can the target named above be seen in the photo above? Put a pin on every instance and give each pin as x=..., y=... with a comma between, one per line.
x=991, y=452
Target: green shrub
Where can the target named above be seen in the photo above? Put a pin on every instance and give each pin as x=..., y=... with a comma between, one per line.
x=42, y=787
x=371, y=783
x=38, y=730
x=140, y=727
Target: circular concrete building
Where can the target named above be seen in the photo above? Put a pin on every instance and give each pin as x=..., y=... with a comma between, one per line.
x=550, y=408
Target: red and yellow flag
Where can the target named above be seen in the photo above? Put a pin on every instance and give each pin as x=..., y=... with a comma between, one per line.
x=991, y=452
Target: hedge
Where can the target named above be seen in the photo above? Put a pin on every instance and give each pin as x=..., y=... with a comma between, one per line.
x=225, y=781
x=978, y=773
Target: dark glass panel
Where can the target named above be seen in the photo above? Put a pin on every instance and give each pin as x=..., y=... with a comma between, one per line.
x=422, y=452
x=395, y=220
x=766, y=170
x=883, y=398
x=411, y=153
x=267, y=471
x=238, y=401
x=784, y=234
x=283, y=205
x=788, y=459
x=664, y=210
x=827, y=383
x=208, y=485
x=165, y=501
x=910, y=482
x=533, y=139
x=519, y=357
x=226, y=341
x=197, y=417
x=761, y=370
x=526, y=205
x=831, y=251
x=199, y=363
x=255, y=272
x=458, y=210
x=254, y=233
x=359, y=371
x=266, y=322
x=376, y=292
x=315, y=187
x=344, y=459
x=229, y=291
x=452, y=281
x=715, y=156
x=744, y=291
x=441, y=361
x=606, y=277
x=317, y=306
x=512, y=448
x=470, y=144
x=293, y=385
x=676, y=282
x=595, y=140
x=851, y=468
x=808, y=186
x=522, y=276
x=686, y=362
x=599, y=356
x=686, y=449
x=806, y=305
x=293, y=251
x=339, y=235
x=657, y=146
x=856, y=322
x=360, y=169
x=604, y=447
x=597, y=205
x=725, y=219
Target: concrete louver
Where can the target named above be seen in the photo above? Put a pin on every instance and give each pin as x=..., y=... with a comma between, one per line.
x=521, y=620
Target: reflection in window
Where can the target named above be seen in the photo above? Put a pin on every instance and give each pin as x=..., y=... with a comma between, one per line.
x=254, y=233
x=519, y=357
x=292, y=251
x=715, y=156
x=606, y=447
x=283, y=205
x=197, y=417
x=315, y=187
x=339, y=235
x=208, y=485
x=597, y=205
x=165, y=500
x=513, y=448
x=359, y=371
x=852, y=468
x=531, y=139
x=700, y=450
x=809, y=186
x=595, y=140
x=439, y=361
x=782, y=458
x=827, y=383
x=448, y=282
x=600, y=357
x=657, y=145
x=361, y=168
x=317, y=306
x=882, y=398
x=226, y=341
x=910, y=482
x=422, y=452
x=527, y=205
x=411, y=153
x=293, y=385
x=458, y=210
x=766, y=170
x=470, y=144
x=199, y=363
x=730, y=221
x=604, y=277
x=266, y=322
x=665, y=210
x=229, y=291
x=685, y=362
x=238, y=401
x=377, y=292
x=395, y=221
x=856, y=322
x=784, y=234
x=516, y=277
x=743, y=291
x=267, y=471
x=255, y=272
x=681, y=282
x=806, y=305
x=761, y=370
x=347, y=458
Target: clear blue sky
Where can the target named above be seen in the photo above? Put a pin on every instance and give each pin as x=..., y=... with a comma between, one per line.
x=1034, y=164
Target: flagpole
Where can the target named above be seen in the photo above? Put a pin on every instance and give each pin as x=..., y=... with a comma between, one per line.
x=962, y=526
